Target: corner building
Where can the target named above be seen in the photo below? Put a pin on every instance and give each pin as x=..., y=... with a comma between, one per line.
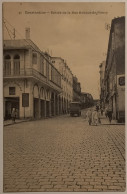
x=31, y=83
x=115, y=69
x=102, y=87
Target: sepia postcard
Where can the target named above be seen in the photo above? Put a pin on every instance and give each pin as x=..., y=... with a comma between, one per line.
x=63, y=96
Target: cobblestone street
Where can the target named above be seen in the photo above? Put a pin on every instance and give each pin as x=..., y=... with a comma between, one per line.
x=64, y=154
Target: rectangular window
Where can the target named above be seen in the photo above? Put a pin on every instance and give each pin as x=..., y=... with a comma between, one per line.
x=11, y=90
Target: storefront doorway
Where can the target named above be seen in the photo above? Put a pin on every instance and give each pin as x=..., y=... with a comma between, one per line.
x=11, y=102
x=42, y=109
x=36, y=108
x=47, y=108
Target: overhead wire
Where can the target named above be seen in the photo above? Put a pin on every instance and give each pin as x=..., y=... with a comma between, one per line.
x=31, y=45
x=7, y=30
x=26, y=40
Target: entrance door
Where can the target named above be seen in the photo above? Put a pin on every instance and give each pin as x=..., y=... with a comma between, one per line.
x=42, y=109
x=47, y=108
x=10, y=103
x=36, y=108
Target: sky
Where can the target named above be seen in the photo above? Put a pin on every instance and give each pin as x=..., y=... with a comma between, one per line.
x=74, y=31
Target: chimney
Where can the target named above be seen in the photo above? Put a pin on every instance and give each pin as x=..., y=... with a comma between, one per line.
x=27, y=33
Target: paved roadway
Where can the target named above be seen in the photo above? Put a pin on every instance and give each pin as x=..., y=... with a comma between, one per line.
x=64, y=154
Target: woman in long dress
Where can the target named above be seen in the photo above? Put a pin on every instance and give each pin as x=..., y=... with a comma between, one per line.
x=95, y=117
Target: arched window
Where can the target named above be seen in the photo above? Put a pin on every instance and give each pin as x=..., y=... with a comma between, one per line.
x=16, y=65
x=7, y=65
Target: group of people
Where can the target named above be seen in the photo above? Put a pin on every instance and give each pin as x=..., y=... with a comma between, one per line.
x=94, y=115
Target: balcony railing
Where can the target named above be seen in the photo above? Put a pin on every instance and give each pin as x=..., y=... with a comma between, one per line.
x=30, y=73
x=25, y=73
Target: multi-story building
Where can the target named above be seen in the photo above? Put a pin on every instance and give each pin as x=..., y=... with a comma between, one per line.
x=66, y=83
x=115, y=69
x=76, y=89
x=102, y=88
x=31, y=83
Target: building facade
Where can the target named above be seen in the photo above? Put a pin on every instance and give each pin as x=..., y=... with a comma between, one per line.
x=76, y=89
x=102, y=87
x=115, y=69
x=66, y=83
x=31, y=84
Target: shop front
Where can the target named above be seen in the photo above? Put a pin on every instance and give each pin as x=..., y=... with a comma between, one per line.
x=10, y=103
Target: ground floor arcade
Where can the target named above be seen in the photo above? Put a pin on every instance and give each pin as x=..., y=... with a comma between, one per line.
x=32, y=100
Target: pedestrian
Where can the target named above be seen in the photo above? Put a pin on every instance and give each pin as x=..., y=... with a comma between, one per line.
x=99, y=117
x=102, y=111
x=95, y=117
x=13, y=115
x=109, y=114
x=97, y=107
x=89, y=116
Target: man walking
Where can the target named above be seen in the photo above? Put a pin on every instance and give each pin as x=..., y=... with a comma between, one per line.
x=109, y=114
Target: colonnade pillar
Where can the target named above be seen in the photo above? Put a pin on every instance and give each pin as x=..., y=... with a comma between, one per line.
x=39, y=108
x=49, y=108
x=44, y=108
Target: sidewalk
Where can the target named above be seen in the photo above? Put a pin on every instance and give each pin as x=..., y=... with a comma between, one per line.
x=9, y=122
x=105, y=121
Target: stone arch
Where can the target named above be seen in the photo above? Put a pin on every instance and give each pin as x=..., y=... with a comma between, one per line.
x=7, y=57
x=36, y=91
x=47, y=96
x=42, y=93
x=16, y=56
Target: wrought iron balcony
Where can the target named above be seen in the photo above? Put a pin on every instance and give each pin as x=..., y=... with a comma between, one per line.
x=30, y=73
x=24, y=73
